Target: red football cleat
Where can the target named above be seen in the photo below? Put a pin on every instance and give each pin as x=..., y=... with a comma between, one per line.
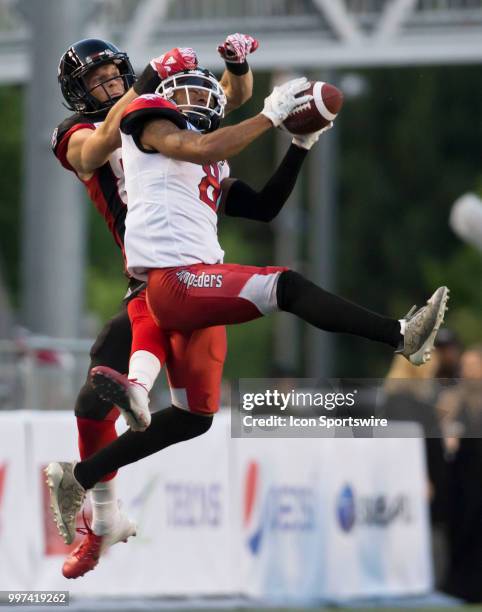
x=86, y=556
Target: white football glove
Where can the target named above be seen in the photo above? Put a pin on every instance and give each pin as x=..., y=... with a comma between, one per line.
x=282, y=101
x=306, y=141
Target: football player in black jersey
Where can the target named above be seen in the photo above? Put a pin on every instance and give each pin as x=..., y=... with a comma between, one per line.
x=97, y=83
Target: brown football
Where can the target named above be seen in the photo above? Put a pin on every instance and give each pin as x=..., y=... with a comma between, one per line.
x=317, y=113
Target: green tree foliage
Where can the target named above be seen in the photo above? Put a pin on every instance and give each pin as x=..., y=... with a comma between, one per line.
x=409, y=148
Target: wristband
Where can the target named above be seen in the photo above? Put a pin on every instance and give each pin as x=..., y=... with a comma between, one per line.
x=147, y=82
x=237, y=69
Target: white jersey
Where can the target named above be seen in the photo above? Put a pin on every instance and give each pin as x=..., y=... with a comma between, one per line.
x=172, y=210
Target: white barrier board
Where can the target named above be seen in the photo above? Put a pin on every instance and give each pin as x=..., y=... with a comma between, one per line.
x=303, y=518
x=332, y=518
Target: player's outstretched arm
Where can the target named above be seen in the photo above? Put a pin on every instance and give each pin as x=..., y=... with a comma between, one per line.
x=89, y=149
x=186, y=145
x=240, y=200
x=237, y=80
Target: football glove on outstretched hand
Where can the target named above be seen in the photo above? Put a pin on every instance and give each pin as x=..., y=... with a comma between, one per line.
x=306, y=141
x=282, y=100
x=236, y=47
x=167, y=64
x=175, y=60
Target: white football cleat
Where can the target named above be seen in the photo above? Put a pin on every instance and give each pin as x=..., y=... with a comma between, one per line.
x=421, y=328
x=66, y=497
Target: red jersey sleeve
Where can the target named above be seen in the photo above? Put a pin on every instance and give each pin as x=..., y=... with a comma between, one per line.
x=60, y=142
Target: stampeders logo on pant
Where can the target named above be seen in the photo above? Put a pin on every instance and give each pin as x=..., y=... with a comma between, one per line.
x=200, y=280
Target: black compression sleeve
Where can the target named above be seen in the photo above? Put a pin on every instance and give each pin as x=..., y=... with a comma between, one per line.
x=243, y=201
x=147, y=82
x=237, y=69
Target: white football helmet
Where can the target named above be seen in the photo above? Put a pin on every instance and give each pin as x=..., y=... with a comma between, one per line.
x=205, y=116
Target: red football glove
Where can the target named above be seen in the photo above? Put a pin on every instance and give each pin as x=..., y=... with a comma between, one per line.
x=236, y=47
x=175, y=60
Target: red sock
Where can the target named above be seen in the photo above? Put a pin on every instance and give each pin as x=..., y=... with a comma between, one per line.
x=94, y=435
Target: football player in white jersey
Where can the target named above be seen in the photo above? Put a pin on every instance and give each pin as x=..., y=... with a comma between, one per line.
x=176, y=180
x=96, y=81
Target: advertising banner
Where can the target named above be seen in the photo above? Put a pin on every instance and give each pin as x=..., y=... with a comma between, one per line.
x=333, y=518
x=374, y=518
x=16, y=508
x=179, y=498
x=266, y=518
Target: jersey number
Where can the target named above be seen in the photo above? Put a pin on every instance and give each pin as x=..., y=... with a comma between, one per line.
x=210, y=187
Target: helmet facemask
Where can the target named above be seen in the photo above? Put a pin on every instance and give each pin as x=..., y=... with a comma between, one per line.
x=205, y=117
x=127, y=80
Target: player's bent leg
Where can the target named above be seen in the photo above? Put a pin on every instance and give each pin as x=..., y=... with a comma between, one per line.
x=96, y=427
x=201, y=295
x=131, y=393
x=413, y=336
x=195, y=368
x=168, y=426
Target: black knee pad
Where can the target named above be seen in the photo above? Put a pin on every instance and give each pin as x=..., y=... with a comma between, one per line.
x=112, y=347
x=90, y=406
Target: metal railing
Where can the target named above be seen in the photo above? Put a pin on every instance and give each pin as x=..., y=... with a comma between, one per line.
x=38, y=373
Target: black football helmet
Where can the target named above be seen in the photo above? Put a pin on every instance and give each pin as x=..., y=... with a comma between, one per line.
x=78, y=60
x=204, y=117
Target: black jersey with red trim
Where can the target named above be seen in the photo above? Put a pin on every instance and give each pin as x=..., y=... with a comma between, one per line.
x=106, y=188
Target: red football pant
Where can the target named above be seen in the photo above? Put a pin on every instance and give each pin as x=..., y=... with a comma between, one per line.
x=194, y=360
x=193, y=297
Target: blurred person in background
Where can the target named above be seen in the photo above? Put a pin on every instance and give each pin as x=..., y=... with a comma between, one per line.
x=98, y=82
x=448, y=350
x=410, y=395
x=460, y=410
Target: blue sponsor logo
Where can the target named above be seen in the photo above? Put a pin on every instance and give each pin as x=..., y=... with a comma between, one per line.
x=190, y=505
x=345, y=508
x=283, y=508
x=371, y=510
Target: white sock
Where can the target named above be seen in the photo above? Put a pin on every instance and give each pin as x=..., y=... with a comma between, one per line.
x=105, y=507
x=145, y=368
x=403, y=323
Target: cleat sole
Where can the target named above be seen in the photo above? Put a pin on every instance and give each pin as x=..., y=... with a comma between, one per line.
x=111, y=390
x=54, y=475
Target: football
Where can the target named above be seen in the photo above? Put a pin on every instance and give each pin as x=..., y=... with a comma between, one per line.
x=317, y=113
